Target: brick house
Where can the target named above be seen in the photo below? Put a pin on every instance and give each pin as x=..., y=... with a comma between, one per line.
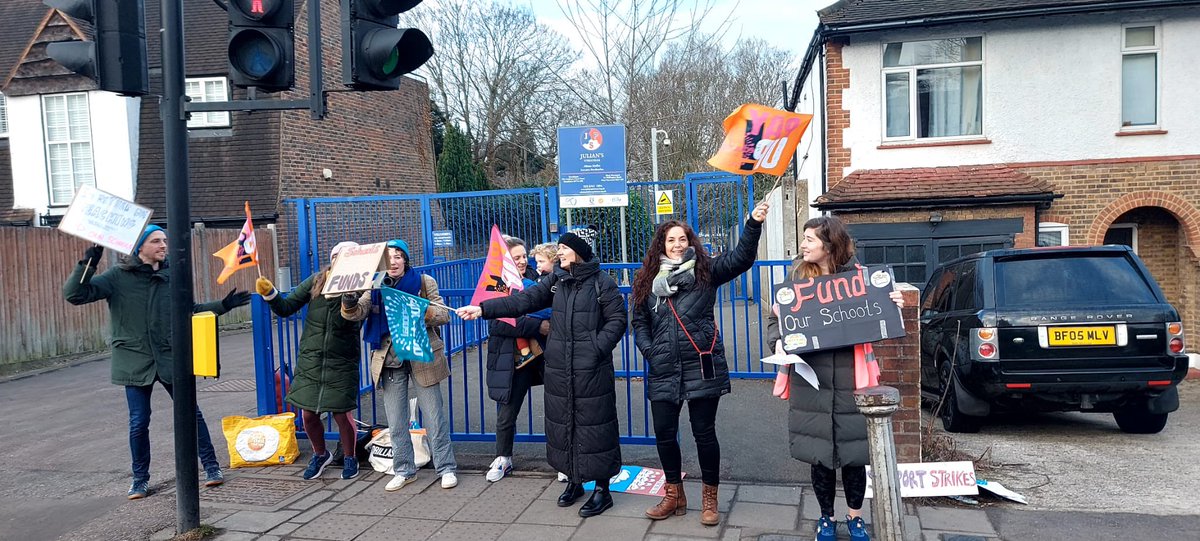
x=951, y=127
x=63, y=133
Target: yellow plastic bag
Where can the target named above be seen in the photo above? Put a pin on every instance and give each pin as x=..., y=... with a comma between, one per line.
x=269, y=440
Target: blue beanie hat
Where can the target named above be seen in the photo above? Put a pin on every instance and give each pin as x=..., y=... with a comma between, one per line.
x=397, y=243
x=146, y=233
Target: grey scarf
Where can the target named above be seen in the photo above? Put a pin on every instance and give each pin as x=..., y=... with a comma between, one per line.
x=673, y=273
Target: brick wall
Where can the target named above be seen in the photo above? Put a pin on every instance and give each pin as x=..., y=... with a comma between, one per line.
x=900, y=363
x=837, y=80
x=1162, y=195
x=1027, y=238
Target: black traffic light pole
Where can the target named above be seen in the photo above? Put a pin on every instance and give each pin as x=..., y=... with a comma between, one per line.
x=175, y=147
x=316, y=84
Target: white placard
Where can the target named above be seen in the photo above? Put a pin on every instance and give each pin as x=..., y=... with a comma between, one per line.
x=934, y=479
x=359, y=268
x=105, y=219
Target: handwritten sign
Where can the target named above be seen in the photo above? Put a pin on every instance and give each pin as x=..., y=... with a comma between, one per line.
x=359, y=268
x=838, y=310
x=934, y=479
x=105, y=219
x=635, y=480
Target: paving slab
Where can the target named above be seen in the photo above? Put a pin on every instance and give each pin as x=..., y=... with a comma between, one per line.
x=502, y=508
x=311, y=514
x=285, y=529
x=731, y=534
x=374, y=502
x=540, y=532
x=547, y=512
x=353, y=488
x=254, y=521
x=612, y=527
x=945, y=519
x=770, y=494
x=311, y=500
x=236, y=536
x=336, y=527
x=766, y=516
x=624, y=505
x=686, y=526
x=469, y=484
x=473, y=531
x=432, y=506
x=393, y=529
x=694, y=490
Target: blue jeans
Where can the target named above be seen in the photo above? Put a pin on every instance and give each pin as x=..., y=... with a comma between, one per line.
x=394, y=383
x=138, y=398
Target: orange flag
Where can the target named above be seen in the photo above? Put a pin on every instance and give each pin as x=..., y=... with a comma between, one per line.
x=499, y=275
x=240, y=253
x=759, y=139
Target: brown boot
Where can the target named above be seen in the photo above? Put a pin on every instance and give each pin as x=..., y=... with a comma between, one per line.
x=708, y=507
x=674, y=503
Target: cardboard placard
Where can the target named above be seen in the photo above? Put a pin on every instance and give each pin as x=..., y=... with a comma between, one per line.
x=838, y=310
x=636, y=480
x=105, y=219
x=934, y=479
x=359, y=268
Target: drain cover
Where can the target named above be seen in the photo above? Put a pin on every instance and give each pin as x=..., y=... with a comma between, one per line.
x=254, y=491
x=232, y=385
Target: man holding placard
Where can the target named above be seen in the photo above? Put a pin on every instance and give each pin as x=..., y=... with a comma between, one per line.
x=138, y=295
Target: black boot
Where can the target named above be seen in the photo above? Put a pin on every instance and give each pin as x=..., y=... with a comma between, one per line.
x=600, y=501
x=573, y=492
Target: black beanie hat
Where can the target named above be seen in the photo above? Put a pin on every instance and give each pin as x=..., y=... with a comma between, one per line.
x=581, y=241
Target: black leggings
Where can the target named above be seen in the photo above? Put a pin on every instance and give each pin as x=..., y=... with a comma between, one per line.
x=506, y=418
x=703, y=414
x=854, y=482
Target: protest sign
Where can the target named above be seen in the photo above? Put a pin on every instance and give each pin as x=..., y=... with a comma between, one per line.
x=105, y=219
x=933, y=479
x=838, y=310
x=635, y=480
x=358, y=268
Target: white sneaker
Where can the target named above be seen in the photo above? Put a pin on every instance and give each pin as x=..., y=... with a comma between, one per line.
x=449, y=480
x=398, y=482
x=500, y=467
x=562, y=477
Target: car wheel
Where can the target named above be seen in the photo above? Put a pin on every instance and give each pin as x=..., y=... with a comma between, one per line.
x=1140, y=421
x=953, y=419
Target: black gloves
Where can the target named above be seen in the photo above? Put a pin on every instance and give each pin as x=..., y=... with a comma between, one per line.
x=93, y=254
x=349, y=300
x=235, y=299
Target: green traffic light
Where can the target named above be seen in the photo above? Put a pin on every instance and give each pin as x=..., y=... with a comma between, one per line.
x=393, y=61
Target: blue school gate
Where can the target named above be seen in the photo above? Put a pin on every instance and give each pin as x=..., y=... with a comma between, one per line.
x=448, y=235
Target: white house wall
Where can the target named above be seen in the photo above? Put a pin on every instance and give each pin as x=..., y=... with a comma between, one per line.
x=114, y=125
x=1052, y=92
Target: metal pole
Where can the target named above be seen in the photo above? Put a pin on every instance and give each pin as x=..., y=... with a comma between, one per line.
x=624, y=248
x=878, y=404
x=175, y=147
x=654, y=168
x=316, y=77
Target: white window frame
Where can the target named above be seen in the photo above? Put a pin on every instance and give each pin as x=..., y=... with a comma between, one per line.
x=1156, y=49
x=217, y=119
x=3, y=116
x=912, y=94
x=1133, y=232
x=46, y=144
x=1063, y=230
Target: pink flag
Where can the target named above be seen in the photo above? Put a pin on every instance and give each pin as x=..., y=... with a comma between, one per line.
x=500, y=274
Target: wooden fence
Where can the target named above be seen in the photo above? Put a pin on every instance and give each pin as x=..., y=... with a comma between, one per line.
x=37, y=323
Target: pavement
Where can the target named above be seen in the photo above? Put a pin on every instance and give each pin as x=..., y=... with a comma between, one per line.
x=64, y=466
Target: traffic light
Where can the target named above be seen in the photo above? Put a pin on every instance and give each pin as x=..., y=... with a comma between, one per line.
x=375, y=53
x=116, y=57
x=262, y=44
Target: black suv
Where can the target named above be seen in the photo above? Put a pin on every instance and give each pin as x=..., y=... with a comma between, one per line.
x=1050, y=329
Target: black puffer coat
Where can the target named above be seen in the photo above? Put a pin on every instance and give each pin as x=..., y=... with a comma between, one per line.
x=502, y=359
x=824, y=426
x=673, y=363
x=587, y=323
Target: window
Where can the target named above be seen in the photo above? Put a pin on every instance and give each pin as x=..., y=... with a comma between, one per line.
x=906, y=258
x=933, y=88
x=1139, y=76
x=967, y=292
x=68, y=145
x=3, y=116
x=1122, y=234
x=1066, y=281
x=206, y=90
x=1053, y=234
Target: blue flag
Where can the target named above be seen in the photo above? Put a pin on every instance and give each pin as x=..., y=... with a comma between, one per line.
x=406, y=323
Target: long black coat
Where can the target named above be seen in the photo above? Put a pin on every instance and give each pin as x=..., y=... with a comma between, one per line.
x=674, y=364
x=501, y=359
x=824, y=426
x=587, y=322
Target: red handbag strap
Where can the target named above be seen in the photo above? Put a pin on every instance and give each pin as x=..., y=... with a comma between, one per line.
x=711, y=347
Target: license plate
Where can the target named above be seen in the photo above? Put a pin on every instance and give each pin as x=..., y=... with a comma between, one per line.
x=1082, y=336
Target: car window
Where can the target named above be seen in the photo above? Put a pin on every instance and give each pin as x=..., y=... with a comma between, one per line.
x=967, y=295
x=1056, y=281
x=939, y=296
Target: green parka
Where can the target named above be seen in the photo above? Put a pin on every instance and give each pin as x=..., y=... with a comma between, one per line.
x=139, y=308
x=326, y=372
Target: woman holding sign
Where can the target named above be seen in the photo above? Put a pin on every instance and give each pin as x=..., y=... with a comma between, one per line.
x=673, y=297
x=826, y=429
x=392, y=368
x=326, y=377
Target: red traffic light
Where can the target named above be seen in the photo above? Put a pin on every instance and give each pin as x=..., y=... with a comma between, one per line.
x=256, y=9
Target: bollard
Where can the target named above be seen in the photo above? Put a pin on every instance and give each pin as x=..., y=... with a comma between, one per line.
x=878, y=404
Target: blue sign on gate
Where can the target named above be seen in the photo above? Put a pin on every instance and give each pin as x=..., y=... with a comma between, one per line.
x=591, y=167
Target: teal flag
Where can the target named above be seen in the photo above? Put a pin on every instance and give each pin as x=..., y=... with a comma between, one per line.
x=406, y=322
